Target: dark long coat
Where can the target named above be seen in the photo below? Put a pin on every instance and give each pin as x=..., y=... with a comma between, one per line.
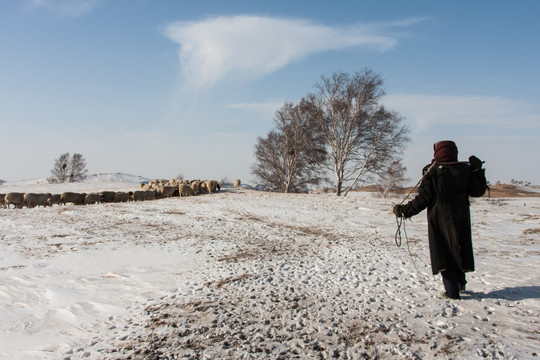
x=445, y=192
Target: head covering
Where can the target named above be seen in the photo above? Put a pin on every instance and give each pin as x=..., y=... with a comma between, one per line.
x=445, y=151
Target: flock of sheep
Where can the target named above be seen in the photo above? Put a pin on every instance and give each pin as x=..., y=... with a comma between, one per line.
x=155, y=189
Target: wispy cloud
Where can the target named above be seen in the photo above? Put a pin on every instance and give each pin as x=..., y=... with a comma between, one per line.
x=267, y=108
x=67, y=8
x=255, y=46
x=426, y=111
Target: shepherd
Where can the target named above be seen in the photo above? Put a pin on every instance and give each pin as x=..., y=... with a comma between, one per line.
x=444, y=190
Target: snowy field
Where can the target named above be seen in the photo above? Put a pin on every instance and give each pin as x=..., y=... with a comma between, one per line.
x=242, y=274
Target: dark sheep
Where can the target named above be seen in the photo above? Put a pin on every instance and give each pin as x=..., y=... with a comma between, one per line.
x=107, y=196
x=33, y=199
x=122, y=197
x=92, y=198
x=74, y=198
x=14, y=198
x=55, y=199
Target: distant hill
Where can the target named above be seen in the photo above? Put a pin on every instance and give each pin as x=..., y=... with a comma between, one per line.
x=91, y=183
x=93, y=178
x=115, y=177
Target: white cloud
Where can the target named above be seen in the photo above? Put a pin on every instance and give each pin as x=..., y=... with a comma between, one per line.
x=255, y=46
x=427, y=111
x=68, y=8
x=266, y=108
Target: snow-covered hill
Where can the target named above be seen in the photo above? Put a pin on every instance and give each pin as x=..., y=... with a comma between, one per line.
x=93, y=182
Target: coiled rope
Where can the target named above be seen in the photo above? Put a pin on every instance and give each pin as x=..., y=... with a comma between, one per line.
x=399, y=220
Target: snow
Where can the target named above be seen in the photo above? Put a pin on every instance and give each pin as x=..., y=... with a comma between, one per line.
x=92, y=183
x=256, y=275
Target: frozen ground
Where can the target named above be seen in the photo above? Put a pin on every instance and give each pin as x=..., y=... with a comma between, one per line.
x=254, y=275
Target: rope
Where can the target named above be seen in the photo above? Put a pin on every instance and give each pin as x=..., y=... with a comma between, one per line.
x=400, y=222
x=397, y=237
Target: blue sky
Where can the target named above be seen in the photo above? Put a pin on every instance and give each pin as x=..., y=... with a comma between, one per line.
x=163, y=88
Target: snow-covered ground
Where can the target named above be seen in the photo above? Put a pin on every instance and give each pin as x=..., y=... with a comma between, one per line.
x=256, y=275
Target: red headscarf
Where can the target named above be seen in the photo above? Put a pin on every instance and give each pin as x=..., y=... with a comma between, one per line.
x=445, y=151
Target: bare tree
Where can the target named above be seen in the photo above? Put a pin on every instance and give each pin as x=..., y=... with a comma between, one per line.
x=78, y=167
x=68, y=168
x=290, y=158
x=361, y=134
x=59, y=172
x=392, y=177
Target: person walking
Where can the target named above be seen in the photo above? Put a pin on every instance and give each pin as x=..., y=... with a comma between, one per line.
x=444, y=190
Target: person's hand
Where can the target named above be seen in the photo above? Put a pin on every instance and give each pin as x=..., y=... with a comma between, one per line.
x=398, y=210
x=475, y=162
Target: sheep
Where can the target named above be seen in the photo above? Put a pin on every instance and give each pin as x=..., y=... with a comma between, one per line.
x=195, y=186
x=107, y=196
x=169, y=191
x=237, y=183
x=3, y=200
x=143, y=195
x=156, y=183
x=212, y=186
x=142, y=186
x=139, y=195
x=55, y=199
x=147, y=187
x=14, y=198
x=203, y=189
x=92, y=198
x=209, y=186
x=150, y=194
x=33, y=199
x=74, y=198
x=185, y=190
x=122, y=197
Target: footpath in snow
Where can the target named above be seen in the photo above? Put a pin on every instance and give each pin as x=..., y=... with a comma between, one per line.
x=255, y=275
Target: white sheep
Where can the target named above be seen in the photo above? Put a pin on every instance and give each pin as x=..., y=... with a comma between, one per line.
x=185, y=190
x=237, y=183
x=195, y=186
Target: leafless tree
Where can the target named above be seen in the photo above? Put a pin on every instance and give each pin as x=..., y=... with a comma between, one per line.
x=78, y=167
x=59, y=172
x=361, y=134
x=392, y=177
x=290, y=157
x=68, y=168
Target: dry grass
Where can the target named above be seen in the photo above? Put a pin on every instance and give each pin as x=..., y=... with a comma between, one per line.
x=531, y=231
x=509, y=191
x=173, y=212
x=219, y=284
x=495, y=191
